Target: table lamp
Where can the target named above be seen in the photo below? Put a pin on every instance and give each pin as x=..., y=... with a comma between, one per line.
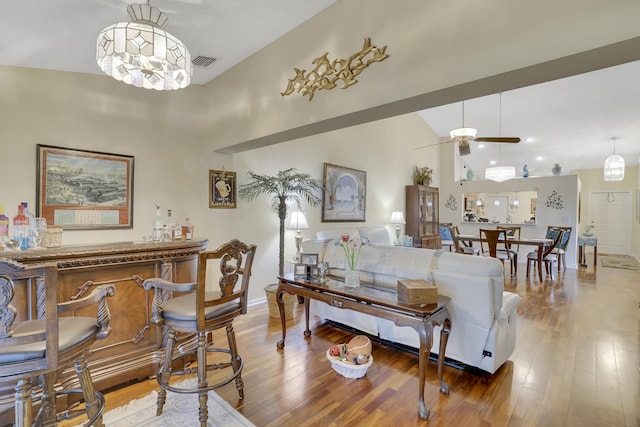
x=397, y=218
x=297, y=221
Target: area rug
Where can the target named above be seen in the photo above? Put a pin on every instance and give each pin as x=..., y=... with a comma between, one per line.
x=179, y=410
x=619, y=261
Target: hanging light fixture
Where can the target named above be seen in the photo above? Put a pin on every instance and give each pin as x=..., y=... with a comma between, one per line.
x=463, y=135
x=614, y=166
x=500, y=173
x=141, y=53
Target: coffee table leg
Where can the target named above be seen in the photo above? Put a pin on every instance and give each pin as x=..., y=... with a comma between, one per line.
x=425, y=334
x=283, y=320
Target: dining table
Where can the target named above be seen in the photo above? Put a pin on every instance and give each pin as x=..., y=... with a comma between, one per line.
x=540, y=242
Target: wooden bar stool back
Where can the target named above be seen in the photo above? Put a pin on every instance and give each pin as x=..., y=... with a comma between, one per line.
x=200, y=312
x=38, y=338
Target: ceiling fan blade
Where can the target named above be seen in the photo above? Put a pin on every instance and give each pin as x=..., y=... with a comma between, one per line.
x=497, y=139
x=434, y=145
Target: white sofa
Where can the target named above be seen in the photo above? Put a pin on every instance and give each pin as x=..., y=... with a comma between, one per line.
x=483, y=315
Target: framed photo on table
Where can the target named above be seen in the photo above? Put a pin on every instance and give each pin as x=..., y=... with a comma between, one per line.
x=345, y=196
x=81, y=189
x=222, y=189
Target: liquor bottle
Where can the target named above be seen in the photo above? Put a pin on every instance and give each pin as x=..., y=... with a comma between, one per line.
x=187, y=230
x=21, y=228
x=4, y=223
x=158, y=222
x=32, y=224
x=167, y=230
x=176, y=233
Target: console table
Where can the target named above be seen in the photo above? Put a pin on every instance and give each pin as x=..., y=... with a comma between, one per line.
x=135, y=346
x=583, y=242
x=380, y=302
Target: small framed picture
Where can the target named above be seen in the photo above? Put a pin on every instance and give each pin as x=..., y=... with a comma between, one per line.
x=300, y=271
x=313, y=271
x=309, y=259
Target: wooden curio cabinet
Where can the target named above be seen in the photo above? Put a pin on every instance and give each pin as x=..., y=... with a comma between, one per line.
x=423, y=216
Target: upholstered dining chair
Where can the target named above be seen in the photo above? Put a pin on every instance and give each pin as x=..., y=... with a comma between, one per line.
x=548, y=255
x=445, y=235
x=492, y=238
x=38, y=338
x=560, y=251
x=199, y=312
x=460, y=246
x=512, y=250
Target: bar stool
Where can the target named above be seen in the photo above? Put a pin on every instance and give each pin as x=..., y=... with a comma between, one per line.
x=202, y=312
x=36, y=341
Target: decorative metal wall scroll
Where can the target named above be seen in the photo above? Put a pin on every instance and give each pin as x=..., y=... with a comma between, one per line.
x=327, y=74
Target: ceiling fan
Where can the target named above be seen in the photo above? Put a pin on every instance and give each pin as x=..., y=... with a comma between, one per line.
x=463, y=135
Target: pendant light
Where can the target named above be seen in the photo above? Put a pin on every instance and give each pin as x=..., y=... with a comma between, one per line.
x=500, y=173
x=614, y=166
x=141, y=53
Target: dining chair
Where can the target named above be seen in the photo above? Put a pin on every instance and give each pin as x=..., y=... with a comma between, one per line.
x=445, y=235
x=561, y=250
x=199, y=312
x=492, y=238
x=459, y=245
x=40, y=337
x=548, y=257
x=512, y=250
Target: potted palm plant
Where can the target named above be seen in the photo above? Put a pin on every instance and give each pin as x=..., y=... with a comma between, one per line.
x=287, y=186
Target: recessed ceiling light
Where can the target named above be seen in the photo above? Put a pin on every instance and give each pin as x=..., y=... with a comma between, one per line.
x=529, y=140
x=492, y=162
x=480, y=145
x=539, y=158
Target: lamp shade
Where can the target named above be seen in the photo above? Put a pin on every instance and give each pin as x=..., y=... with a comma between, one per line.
x=397, y=217
x=297, y=221
x=141, y=53
x=500, y=173
x=614, y=168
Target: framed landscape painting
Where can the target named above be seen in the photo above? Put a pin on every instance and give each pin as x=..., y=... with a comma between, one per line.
x=81, y=189
x=345, y=195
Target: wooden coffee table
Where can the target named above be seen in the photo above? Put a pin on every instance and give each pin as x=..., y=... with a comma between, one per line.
x=379, y=302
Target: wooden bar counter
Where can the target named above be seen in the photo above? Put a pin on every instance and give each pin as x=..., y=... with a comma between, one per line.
x=134, y=348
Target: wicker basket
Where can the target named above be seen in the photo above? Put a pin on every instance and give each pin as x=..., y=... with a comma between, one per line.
x=347, y=369
x=289, y=301
x=52, y=238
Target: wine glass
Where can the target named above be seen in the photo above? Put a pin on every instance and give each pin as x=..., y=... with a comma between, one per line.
x=39, y=227
x=10, y=243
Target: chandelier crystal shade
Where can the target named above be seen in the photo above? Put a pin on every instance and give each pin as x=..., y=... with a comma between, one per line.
x=500, y=173
x=142, y=54
x=614, y=166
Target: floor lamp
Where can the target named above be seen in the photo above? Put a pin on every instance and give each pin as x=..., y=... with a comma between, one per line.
x=297, y=221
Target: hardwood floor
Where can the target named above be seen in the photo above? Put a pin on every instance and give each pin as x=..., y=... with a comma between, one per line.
x=576, y=364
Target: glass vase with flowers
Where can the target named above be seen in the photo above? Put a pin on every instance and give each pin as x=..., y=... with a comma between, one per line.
x=352, y=246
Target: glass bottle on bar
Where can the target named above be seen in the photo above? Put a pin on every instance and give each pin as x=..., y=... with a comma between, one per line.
x=30, y=216
x=167, y=230
x=21, y=228
x=176, y=233
x=158, y=222
x=4, y=223
x=187, y=230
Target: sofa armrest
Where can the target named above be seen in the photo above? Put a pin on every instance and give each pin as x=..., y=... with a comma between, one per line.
x=510, y=302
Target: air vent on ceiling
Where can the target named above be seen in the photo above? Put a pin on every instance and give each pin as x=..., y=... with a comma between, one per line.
x=203, y=61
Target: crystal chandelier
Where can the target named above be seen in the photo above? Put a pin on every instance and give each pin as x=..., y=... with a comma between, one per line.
x=141, y=53
x=614, y=166
x=500, y=173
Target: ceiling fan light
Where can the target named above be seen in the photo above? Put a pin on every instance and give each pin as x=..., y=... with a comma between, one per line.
x=464, y=149
x=463, y=133
x=500, y=173
x=614, y=168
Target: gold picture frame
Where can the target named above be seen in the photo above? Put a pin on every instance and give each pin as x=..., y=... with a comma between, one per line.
x=222, y=189
x=83, y=190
